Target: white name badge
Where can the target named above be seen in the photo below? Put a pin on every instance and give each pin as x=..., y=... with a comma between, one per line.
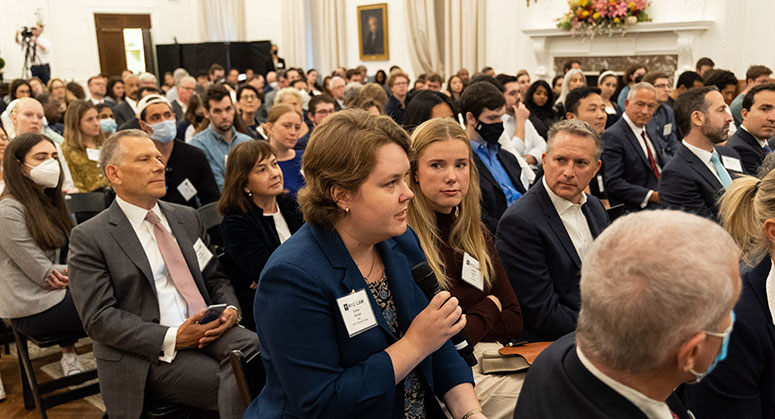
x=187, y=189
x=203, y=254
x=472, y=275
x=93, y=154
x=667, y=129
x=357, y=314
x=732, y=163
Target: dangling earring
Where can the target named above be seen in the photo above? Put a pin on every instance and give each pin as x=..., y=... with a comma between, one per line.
x=457, y=210
x=347, y=211
x=249, y=193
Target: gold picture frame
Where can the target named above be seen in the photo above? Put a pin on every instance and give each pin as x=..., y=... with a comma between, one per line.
x=373, y=32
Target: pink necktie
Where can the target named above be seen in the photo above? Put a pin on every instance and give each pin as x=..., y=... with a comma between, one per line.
x=176, y=265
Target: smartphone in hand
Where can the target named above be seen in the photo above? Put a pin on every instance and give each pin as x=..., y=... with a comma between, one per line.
x=213, y=312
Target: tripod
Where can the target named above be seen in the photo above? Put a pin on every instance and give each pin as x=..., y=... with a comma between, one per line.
x=29, y=53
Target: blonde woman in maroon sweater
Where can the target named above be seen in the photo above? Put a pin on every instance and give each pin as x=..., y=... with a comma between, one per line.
x=445, y=214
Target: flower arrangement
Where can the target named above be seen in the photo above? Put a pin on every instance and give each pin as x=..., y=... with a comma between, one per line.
x=590, y=17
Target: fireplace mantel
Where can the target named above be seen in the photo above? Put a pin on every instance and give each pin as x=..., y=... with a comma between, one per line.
x=650, y=38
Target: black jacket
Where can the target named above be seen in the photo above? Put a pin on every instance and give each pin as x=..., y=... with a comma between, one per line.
x=249, y=238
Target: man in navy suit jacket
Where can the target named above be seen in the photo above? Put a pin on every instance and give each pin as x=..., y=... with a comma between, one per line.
x=542, y=238
x=483, y=107
x=637, y=340
x=632, y=158
x=700, y=172
x=758, y=113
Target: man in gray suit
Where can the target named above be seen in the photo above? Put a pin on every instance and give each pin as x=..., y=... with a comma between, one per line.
x=141, y=275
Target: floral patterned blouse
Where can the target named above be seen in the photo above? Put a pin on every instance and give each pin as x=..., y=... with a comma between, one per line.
x=87, y=174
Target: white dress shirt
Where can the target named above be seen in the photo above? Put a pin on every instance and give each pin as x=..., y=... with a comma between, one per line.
x=637, y=131
x=653, y=409
x=704, y=157
x=573, y=219
x=283, y=232
x=173, y=309
x=533, y=144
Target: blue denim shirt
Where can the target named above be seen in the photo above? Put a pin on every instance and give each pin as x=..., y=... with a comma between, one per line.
x=489, y=156
x=216, y=149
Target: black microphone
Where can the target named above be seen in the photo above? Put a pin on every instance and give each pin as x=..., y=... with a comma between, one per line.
x=425, y=278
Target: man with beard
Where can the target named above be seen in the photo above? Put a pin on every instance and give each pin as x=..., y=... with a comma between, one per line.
x=220, y=137
x=693, y=180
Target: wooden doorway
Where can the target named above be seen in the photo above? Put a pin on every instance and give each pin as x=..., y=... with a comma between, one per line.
x=124, y=41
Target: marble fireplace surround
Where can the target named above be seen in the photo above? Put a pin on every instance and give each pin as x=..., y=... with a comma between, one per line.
x=667, y=47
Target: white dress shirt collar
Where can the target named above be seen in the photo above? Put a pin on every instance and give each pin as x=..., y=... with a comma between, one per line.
x=653, y=409
x=703, y=155
x=635, y=129
x=135, y=214
x=761, y=142
x=561, y=204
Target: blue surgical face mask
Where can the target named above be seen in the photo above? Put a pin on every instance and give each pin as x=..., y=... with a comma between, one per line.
x=108, y=125
x=722, y=354
x=164, y=131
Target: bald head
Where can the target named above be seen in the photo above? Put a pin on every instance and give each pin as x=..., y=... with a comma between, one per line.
x=27, y=116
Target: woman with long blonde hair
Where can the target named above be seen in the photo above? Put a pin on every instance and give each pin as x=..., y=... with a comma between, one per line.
x=742, y=386
x=445, y=213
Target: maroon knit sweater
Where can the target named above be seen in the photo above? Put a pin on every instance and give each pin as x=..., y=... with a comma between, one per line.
x=484, y=321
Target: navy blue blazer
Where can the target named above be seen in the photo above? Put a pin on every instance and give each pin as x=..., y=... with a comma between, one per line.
x=628, y=176
x=493, y=198
x=743, y=385
x=667, y=144
x=542, y=263
x=558, y=385
x=314, y=369
x=751, y=152
x=688, y=185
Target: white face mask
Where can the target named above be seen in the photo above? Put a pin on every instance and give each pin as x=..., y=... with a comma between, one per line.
x=45, y=174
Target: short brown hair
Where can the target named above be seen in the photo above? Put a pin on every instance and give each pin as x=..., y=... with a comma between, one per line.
x=238, y=166
x=756, y=71
x=435, y=77
x=375, y=92
x=342, y=151
x=651, y=78
x=395, y=75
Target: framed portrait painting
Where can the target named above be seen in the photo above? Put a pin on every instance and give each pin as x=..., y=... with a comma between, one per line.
x=373, y=32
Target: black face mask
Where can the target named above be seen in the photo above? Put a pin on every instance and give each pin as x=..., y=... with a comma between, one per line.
x=490, y=133
x=198, y=119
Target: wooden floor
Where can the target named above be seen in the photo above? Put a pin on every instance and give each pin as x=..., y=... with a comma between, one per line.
x=13, y=405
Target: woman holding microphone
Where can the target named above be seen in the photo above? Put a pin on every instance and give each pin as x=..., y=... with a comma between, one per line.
x=345, y=332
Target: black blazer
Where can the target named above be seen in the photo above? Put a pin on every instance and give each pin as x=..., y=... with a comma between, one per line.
x=249, y=239
x=493, y=198
x=558, y=385
x=743, y=385
x=542, y=263
x=123, y=113
x=751, y=153
x=688, y=185
x=628, y=175
x=178, y=110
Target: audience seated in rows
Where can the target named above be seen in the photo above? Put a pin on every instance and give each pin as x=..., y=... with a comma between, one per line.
x=662, y=126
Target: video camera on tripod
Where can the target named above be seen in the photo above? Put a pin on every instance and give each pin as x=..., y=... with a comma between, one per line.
x=26, y=32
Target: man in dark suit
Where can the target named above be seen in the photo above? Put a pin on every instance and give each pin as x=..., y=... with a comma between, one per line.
x=758, y=113
x=483, y=107
x=662, y=124
x=125, y=110
x=544, y=236
x=142, y=275
x=642, y=331
x=699, y=173
x=631, y=158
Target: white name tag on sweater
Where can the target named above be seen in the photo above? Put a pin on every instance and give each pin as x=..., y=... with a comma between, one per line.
x=471, y=274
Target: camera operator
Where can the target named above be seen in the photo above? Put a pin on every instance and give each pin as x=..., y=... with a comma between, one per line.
x=40, y=47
